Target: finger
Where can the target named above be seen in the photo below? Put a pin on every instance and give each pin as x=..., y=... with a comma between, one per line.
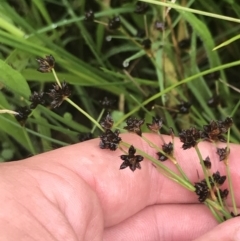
x=168, y=222
x=123, y=192
x=227, y=231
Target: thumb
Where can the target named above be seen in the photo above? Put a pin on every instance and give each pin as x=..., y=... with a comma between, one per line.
x=227, y=231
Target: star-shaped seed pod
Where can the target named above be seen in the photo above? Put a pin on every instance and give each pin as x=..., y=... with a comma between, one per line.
x=131, y=160
x=207, y=163
x=23, y=113
x=89, y=16
x=37, y=99
x=46, y=64
x=58, y=94
x=156, y=124
x=107, y=122
x=189, y=137
x=223, y=153
x=141, y=7
x=134, y=125
x=114, y=23
x=168, y=149
x=110, y=140
x=218, y=179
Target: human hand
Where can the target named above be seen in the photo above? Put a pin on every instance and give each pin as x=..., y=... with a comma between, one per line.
x=79, y=193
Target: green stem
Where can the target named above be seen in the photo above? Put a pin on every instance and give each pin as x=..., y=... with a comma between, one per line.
x=56, y=78
x=215, y=214
x=174, y=161
x=98, y=119
x=203, y=167
x=29, y=142
x=84, y=113
x=172, y=175
x=229, y=178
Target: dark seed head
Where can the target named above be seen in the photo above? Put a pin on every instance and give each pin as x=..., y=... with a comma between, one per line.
x=46, y=64
x=156, y=124
x=189, y=137
x=131, y=160
x=89, y=16
x=207, y=163
x=85, y=137
x=114, y=23
x=223, y=153
x=161, y=26
x=58, y=94
x=184, y=43
x=134, y=125
x=184, y=107
x=168, y=149
x=110, y=140
x=146, y=43
x=23, y=113
x=141, y=7
x=107, y=122
x=214, y=101
x=37, y=99
x=107, y=103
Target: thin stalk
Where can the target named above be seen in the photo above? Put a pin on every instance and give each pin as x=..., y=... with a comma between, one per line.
x=9, y=112
x=229, y=178
x=203, y=166
x=29, y=142
x=56, y=78
x=98, y=119
x=173, y=175
x=173, y=160
x=84, y=113
x=215, y=214
x=216, y=206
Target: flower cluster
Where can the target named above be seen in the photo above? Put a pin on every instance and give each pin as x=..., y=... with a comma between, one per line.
x=156, y=124
x=168, y=149
x=37, y=99
x=114, y=23
x=131, y=160
x=23, y=113
x=46, y=64
x=215, y=181
x=223, y=153
x=107, y=122
x=141, y=7
x=110, y=140
x=58, y=94
x=215, y=129
x=106, y=103
x=189, y=137
x=134, y=125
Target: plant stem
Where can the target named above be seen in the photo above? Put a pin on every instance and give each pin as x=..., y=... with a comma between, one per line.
x=171, y=174
x=29, y=141
x=229, y=178
x=203, y=166
x=56, y=78
x=173, y=160
x=98, y=119
x=84, y=113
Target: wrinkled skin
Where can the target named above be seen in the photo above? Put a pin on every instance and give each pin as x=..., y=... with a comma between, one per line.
x=79, y=193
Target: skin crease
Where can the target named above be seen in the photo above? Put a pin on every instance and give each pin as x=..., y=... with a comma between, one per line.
x=79, y=193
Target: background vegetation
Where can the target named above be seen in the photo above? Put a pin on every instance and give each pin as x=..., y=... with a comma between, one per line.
x=180, y=66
